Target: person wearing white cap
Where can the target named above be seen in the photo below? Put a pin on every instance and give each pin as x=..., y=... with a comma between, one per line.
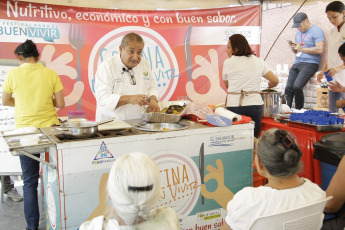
x=308, y=46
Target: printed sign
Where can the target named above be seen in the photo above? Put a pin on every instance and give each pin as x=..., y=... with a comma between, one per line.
x=185, y=48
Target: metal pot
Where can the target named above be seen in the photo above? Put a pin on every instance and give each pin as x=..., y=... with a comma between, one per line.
x=272, y=102
x=82, y=128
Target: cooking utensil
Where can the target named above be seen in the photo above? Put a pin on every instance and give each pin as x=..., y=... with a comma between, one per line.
x=82, y=128
x=188, y=52
x=161, y=127
x=202, y=168
x=272, y=102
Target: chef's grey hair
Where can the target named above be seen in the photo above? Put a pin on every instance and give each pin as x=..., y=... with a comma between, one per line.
x=279, y=153
x=131, y=37
x=134, y=187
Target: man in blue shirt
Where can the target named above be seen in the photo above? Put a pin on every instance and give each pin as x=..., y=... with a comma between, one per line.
x=308, y=46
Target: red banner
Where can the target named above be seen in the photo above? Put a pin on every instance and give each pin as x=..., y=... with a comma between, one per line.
x=186, y=48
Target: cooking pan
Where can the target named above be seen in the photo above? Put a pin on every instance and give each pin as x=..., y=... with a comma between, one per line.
x=81, y=128
x=272, y=102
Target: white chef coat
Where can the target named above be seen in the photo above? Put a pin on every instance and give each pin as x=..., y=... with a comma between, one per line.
x=111, y=82
x=336, y=39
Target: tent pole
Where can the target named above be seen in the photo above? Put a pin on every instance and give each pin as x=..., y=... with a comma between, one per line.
x=284, y=29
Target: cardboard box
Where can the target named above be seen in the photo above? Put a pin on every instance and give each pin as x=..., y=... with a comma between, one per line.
x=322, y=97
x=320, y=109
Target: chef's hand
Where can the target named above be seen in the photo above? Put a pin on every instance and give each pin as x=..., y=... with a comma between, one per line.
x=222, y=195
x=139, y=99
x=336, y=86
x=271, y=84
x=153, y=105
x=319, y=76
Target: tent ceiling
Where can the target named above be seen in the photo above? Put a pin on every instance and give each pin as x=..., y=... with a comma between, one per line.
x=164, y=4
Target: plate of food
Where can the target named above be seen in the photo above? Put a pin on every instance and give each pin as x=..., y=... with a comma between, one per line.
x=170, y=112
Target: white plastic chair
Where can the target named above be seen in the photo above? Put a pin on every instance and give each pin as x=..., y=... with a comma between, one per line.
x=309, y=217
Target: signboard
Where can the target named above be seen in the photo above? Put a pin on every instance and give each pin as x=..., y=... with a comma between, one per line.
x=185, y=48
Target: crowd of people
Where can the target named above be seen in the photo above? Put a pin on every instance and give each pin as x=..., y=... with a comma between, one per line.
x=125, y=87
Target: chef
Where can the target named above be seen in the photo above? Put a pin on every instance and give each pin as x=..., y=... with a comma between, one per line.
x=124, y=84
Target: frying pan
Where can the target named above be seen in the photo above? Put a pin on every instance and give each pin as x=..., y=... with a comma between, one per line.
x=81, y=128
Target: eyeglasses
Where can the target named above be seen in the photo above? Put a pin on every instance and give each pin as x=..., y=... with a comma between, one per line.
x=131, y=74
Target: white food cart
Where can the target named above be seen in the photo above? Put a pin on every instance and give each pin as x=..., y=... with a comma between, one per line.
x=219, y=157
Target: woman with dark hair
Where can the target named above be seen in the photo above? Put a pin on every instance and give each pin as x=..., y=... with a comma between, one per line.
x=278, y=159
x=336, y=14
x=242, y=73
x=36, y=92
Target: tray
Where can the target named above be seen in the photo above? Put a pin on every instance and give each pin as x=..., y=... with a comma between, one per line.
x=319, y=128
x=16, y=147
x=161, y=127
x=163, y=117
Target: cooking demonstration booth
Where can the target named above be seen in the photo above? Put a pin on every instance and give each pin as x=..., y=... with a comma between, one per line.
x=201, y=167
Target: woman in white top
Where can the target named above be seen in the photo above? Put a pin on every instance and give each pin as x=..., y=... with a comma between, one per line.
x=336, y=14
x=242, y=73
x=134, y=189
x=278, y=159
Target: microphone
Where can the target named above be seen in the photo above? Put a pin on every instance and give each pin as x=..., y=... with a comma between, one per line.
x=124, y=70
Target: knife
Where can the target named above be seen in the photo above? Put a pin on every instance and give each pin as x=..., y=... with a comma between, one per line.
x=202, y=168
x=188, y=52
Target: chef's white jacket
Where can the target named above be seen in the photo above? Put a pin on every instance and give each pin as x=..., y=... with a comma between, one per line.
x=111, y=82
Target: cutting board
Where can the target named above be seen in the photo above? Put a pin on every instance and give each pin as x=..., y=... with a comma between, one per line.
x=114, y=125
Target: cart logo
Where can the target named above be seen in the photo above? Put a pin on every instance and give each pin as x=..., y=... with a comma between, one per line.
x=222, y=140
x=208, y=215
x=103, y=155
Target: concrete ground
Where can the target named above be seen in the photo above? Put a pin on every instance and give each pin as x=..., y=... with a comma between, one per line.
x=12, y=213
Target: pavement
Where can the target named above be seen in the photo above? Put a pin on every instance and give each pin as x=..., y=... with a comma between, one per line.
x=12, y=213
